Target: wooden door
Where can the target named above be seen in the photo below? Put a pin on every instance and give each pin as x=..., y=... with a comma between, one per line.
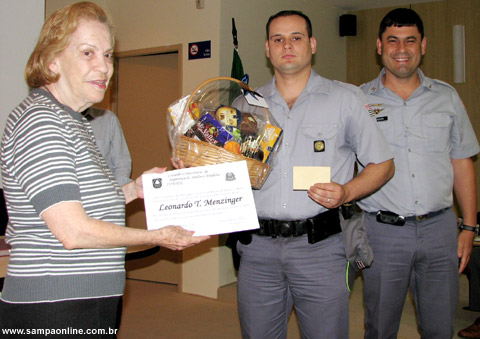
x=146, y=84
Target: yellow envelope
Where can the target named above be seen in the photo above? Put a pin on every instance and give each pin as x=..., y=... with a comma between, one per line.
x=306, y=176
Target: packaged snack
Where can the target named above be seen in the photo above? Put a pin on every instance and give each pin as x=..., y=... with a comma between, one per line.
x=248, y=126
x=179, y=120
x=194, y=110
x=233, y=146
x=269, y=140
x=251, y=147
x=208, y=129
x=228, y=116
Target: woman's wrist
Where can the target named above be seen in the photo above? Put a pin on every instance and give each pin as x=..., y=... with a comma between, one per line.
x=130, y=191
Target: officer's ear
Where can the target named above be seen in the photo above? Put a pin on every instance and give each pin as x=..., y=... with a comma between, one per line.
x=424, y=45
x=313, y=45
x=379, y=46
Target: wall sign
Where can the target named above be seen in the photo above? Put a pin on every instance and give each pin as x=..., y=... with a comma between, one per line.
x=199, y=50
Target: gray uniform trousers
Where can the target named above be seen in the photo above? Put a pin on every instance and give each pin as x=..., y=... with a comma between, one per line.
x=276, y=273
x=422, y=256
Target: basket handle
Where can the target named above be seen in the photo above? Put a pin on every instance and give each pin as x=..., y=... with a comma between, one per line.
x=240, y=83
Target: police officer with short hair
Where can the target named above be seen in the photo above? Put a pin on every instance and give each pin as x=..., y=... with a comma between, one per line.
x=298, y=257
x=410, y=223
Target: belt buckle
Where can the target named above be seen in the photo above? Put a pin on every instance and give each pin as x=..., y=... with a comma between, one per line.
x=421, y=217
x=285, y=229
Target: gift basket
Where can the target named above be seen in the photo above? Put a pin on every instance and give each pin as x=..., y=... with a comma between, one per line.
x=223, y=120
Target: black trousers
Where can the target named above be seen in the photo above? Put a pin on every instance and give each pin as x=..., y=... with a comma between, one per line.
x=87, y=318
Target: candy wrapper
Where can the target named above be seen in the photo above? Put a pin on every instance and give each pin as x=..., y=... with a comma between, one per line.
x=224, y=120
x=208, y=129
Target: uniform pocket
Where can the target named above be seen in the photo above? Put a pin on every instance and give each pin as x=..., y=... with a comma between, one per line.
x=320, y=131
x=322, y=137
x=436, y=128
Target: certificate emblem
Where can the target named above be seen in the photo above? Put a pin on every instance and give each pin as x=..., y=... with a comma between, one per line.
x=230, y=176
x=157, y=182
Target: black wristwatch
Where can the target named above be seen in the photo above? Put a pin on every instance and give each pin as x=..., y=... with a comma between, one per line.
x=468, y=228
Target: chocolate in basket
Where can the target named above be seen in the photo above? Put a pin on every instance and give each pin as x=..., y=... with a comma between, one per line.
x=208, y=129
x=248, y=126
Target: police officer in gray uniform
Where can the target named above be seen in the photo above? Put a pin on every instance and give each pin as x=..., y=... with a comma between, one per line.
x=410, y=223
x=298, y=257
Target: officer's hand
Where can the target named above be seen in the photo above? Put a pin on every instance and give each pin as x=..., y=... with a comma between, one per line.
x=329, y=195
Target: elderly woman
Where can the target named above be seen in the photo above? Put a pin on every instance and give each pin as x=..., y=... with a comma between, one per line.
x=67, y=212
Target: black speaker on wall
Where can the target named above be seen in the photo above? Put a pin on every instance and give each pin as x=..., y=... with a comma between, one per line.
x=348, y=25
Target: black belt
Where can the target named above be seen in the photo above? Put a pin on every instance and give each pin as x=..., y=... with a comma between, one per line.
x=318, y=227
x=391, y=218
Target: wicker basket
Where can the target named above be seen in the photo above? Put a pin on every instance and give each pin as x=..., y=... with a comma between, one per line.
x=200, y=153
x=194, y=152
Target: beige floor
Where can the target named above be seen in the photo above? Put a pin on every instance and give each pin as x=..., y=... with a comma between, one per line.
x=153, y=310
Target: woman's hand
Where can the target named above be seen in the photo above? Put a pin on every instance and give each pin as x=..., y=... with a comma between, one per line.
x=177, y=163
x=139, y=183
x=176, y=238
x=69, y=223
x=134, y=189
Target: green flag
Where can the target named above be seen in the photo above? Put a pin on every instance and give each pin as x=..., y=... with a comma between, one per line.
x=237, y=67
x=237, y=73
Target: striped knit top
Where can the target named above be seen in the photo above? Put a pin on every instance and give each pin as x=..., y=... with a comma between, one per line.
x=49, y=156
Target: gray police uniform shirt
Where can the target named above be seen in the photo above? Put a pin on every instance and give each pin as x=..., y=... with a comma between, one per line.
x=329, y=112
x=424, y=132
x=111, y=142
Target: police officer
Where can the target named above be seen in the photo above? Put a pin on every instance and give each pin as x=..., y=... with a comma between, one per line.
x=298, y=257
x=410, y=223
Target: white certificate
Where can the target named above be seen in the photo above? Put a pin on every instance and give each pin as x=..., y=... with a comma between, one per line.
x=209, y=200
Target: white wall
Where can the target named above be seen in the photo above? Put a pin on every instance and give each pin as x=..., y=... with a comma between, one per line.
x=20, y=24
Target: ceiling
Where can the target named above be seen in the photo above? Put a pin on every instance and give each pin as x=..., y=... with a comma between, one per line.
x=353, y=5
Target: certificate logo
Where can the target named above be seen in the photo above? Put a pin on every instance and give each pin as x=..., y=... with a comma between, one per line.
x=230, y=176
x=157, y=182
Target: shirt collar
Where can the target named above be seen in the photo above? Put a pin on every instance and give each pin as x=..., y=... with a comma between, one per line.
x=377, y=85
x=315, y=84
x=49, y=95
x=427, y=83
